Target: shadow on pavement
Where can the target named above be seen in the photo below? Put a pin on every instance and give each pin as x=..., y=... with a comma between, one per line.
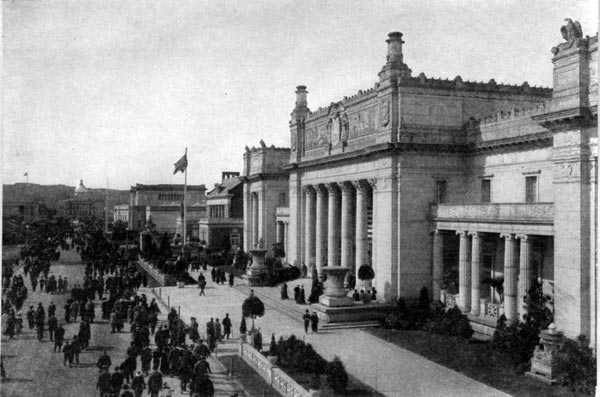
x=16, y=380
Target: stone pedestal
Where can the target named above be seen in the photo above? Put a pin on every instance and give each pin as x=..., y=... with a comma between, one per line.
x=543, y=362
x=255, y=273
x=335, y=295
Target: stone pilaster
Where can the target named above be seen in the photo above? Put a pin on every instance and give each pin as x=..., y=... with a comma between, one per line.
x=261, y=216
x=309, y=226
x=362, y=190
x=464, y=272
x=438, y=264
x=525, y=274
x=255, y=217
x=321, y=228
x=347, y=235
x=475, y=272
x=333, y=225
x=510, y=278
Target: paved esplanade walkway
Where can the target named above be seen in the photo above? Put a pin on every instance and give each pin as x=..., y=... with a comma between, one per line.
x=385, y=367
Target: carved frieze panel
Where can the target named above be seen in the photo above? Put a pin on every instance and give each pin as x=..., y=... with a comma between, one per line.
x=384, y=113
x=567, y=171
x=293, y=140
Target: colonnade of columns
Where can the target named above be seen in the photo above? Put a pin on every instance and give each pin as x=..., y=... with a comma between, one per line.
x=218, y=211
x=518, y=274
x=335, y=224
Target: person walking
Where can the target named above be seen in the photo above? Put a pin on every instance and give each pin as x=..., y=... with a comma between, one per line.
x=104, y=362
x=31, y=317
x=218, y=335
x=104, y=384
x=314, y=322
x=226, y=326
x=138, y=384
x=68, y=354
x=284, y=291
x=306, y=318
x=52, y=325
x=116, y=380
x=59, y=336
x=231, y=279
x=154, y=383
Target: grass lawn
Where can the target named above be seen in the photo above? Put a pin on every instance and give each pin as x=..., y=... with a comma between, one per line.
x=477, y=361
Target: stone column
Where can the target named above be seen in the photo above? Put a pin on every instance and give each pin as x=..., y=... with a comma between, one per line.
x=510, y=278
x=286, y=240
x=475, y=272
x=261, y=216
x=438, y=264
x=525, y=273
x=347, y=219
x=254, y=220
x=321, y=228
x=333, y=226
x=309, y=226
x=278, y=232
x=464, y=272
x=362, y=190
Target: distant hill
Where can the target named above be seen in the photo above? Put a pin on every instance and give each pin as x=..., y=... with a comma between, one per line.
x=50, y=195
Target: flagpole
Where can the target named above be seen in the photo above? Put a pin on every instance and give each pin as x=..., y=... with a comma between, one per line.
x=185, y=203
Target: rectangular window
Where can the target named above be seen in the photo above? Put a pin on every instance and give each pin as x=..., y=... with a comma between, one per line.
x=440, y=192
x=531, y=189
x=486, y=190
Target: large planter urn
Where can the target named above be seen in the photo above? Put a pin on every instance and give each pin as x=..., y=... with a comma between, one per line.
x=258, y=270
x=272, y=360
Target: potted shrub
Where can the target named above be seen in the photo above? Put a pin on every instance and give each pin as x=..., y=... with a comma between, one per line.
x=253, y=307
x=273, y=351
x=366, y=274
x=243, y=330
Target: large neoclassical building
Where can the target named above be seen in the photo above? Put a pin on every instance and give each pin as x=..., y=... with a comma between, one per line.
x=454, y=185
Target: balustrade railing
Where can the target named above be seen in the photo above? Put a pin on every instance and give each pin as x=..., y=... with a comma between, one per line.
x=524, y=212
x=491, y=310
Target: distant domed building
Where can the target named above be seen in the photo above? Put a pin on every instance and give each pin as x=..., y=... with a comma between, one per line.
x=81, y=190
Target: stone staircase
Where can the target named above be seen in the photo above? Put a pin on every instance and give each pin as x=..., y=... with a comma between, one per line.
x=295, y=311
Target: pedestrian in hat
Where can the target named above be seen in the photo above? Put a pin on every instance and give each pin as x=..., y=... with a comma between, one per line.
x=306, y=319
x=104, y=362
x=138, y=384
x=314, y=322
x=59, y=336
x=104, y=382
x=154, y=383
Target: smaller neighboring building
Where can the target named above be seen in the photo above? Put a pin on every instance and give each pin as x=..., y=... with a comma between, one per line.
x=162, y=206
x=23, y=211
x=266, y=187
x=121, y=213
x=222, y=228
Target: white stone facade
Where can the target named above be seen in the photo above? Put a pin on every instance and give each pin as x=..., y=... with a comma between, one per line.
x=420, y=176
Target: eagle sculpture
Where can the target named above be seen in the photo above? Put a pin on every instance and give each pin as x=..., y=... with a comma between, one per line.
x=571, y=31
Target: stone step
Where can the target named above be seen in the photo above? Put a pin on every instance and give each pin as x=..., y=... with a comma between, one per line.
x=350, y=325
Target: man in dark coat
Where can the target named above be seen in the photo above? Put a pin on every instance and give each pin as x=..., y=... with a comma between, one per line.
x=104, y=362
x=154, y=383
x=138, y=384
x=52, y=325
x=314, y=322
x=116, y=380
x=146, y=358
x=68, y=354
x=226, y=326
x=59, y=337
x=306, y=319
x=297, y=294
x=156, y=354
x=31, y=317
x=104, y=383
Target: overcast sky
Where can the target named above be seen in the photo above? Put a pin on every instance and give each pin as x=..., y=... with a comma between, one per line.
x=113, y=91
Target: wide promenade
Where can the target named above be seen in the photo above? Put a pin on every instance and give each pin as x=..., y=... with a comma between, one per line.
x=387, y=368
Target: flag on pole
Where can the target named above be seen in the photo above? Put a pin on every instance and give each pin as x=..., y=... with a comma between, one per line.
x=181, y=164
x=26, y=174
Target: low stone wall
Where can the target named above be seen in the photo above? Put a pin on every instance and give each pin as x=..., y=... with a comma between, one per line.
x=273, y=375
x=161, y=278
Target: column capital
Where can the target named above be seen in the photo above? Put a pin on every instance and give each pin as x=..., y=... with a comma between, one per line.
x=475, y=234
x=345, y=187
x=462, y=233
x=308, y=188
x=373, y=183
x=507, y=236
x=361, y=186
x=524, y=237
x=320, y=189
x=332, y=187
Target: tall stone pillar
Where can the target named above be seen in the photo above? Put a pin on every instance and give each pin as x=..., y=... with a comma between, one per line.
x=438, y=264
x=475, y=272
x=333, y=226
x=464, y=272
x=261, y=216
x=278, y=232
x=362, y=190
x=525, y=273
x=347, y=235
x=286, y=239
x=321, y=228
x=255, y=236
x=510, y=278
x=309, y=225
